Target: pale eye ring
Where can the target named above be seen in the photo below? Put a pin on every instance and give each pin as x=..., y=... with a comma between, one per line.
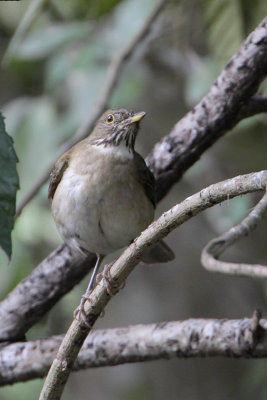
x=110, y=118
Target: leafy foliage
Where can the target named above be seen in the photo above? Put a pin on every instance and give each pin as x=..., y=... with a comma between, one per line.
x=9, y=184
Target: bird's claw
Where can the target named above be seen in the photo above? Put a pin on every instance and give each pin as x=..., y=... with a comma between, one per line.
x=79, y=313
x=112, y=288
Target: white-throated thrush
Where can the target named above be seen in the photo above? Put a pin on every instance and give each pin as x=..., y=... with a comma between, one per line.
x=103, y=193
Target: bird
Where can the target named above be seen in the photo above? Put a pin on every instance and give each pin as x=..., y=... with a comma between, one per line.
x=103, y=194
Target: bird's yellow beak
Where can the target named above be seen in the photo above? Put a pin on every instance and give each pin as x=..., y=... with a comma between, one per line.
x=136, y=117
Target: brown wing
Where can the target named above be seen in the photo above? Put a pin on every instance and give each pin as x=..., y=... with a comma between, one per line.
x=57, y=173
x=146, y=178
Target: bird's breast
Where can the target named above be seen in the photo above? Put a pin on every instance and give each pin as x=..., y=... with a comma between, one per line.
x=101, y=206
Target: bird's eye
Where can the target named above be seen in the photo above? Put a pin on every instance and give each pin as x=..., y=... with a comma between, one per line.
x=110, y=118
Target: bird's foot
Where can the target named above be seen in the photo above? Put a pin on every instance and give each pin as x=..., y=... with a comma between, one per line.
x=112, y=288
x=79, y=312
x=105, y=275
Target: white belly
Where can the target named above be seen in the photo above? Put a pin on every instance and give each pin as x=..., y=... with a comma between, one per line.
x=100, y=218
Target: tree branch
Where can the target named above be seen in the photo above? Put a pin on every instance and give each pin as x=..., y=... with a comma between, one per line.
x=113, y=75
x=121, y=268
x=217, y=246
x=36, y=294
x=247, y=338
x=218, y=112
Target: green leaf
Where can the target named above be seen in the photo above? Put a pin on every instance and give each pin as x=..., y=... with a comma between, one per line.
x=9, y=184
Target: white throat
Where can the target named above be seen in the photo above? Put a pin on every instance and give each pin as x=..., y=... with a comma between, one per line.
x=121, y=151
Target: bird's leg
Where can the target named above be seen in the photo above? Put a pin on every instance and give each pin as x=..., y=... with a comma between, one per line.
x=79, y=312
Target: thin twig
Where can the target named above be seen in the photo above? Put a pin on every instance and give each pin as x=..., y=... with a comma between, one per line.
x=139, y=343
x=27, y=20
x=217, y=246
x=120, y=270
x=113, y=75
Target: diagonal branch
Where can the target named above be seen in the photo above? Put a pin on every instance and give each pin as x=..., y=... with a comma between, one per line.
x=37, y=294
x=218, y=112
x=217, y=246
x=113, y=75
x=139, y=343
x=121, y=269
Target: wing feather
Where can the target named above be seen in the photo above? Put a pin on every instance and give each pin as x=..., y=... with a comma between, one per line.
x=146, y=178
x=57, y=173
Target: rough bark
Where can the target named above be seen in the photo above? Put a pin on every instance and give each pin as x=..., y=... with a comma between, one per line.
x=23, y=361
x=36, y=294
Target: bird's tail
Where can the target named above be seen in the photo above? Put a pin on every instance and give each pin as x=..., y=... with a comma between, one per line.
x=159, y=253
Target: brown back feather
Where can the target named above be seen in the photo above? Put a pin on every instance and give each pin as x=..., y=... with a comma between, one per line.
x=57, y=173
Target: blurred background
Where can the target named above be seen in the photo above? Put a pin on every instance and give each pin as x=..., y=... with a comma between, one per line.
x=52, y=77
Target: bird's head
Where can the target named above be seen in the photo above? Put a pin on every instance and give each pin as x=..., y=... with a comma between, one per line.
x=117, y=127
